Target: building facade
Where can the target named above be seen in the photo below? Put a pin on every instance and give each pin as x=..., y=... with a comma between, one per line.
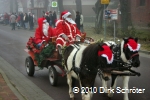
x=140, y=12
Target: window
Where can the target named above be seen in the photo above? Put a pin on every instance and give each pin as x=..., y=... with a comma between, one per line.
x=142, y=2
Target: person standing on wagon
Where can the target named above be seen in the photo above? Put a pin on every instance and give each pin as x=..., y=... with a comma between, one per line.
x=66, y=31
x=43, y=33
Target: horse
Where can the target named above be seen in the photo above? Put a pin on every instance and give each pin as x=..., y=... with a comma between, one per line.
x=81, y=63
x=126, y=56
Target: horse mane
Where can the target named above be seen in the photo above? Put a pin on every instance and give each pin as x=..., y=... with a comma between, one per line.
x=66, y=53
x=90, y=55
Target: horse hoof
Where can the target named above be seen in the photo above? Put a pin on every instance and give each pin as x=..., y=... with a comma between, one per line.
x=104, y=94
x=110, y=95
x=72, y=99
x=106, y=78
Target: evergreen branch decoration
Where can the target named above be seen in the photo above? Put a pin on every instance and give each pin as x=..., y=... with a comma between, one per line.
x=46, y=52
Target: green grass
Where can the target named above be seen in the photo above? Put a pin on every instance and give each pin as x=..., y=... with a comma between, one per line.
x=142, y=34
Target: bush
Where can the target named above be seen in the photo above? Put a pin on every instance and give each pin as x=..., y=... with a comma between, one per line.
x=128, y=33
x=110, y=28
x=148, y=25
x=142, y=34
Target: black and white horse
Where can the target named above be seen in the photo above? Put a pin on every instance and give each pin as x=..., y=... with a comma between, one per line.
x=125, y=56
x=82, y=62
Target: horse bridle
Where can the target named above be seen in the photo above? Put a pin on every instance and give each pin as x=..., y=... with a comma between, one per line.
x=135, y=54
x=125, y=65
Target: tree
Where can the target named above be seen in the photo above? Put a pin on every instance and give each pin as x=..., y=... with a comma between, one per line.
x=32, y=3
x=11, y=6
x=16, y=6
x=79, y=5
x=46, y=2
x=98, y=9
x=60, y=5
x=24, y=5
x=124, y=14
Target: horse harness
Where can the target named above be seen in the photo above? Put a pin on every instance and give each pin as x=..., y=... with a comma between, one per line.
x=121, y=65
x=76, y=69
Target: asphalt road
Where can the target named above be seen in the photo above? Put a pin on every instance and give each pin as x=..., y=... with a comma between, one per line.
x=13, y=43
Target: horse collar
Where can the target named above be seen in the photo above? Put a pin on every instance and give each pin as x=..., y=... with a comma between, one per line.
x=119, y=62
x=117, y=54
x=74, y=68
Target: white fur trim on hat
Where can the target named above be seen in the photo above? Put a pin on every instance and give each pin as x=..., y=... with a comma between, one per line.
x=66, y=15
x=108, y=61
x=137, y=49
x=44, y=20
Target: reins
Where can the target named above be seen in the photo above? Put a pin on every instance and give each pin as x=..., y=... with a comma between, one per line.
x=134, y=55
x=122, y=66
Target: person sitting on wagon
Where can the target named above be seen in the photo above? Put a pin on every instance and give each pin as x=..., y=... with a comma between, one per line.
x=66, y=30
x=43, y=33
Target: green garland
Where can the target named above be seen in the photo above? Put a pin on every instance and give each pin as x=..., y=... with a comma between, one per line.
x=45, y=53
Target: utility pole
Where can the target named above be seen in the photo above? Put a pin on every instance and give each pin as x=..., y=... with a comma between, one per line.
x=104, y=2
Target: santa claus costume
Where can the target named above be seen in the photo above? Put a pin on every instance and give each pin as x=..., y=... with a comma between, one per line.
x=66, y=27
x=44, y=32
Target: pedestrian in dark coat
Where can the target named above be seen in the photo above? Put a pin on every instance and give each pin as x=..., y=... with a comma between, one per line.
x=21, y=20
x=54, y=17
x=50, y=16
x=31, y=21
x=77, y=20
x=47, y=16
x=25, y=20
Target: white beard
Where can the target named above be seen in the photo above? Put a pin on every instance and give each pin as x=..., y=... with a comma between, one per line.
x=45, y=29
x=70, y=20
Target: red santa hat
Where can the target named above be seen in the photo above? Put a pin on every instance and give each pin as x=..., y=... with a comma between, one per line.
x=65, y=14
x=132, y=45
x=47, y=13
x=107, y=53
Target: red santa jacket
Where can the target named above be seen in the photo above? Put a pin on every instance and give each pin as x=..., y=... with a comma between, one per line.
x=71, y=30
x=39, y=35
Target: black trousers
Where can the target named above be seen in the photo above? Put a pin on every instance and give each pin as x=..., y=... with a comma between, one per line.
x=13, y=26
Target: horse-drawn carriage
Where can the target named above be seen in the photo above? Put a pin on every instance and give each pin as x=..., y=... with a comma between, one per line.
x=84, y=62
x=46, y=56
x=49, y=61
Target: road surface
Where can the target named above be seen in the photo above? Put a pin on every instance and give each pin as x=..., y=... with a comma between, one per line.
x=12, y=44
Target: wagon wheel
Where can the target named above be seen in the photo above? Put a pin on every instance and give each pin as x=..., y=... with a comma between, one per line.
x=53, y=76
x=89, y=39
x=29, y=66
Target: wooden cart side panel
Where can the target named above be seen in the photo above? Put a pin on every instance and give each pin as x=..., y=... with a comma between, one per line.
x=32, y=56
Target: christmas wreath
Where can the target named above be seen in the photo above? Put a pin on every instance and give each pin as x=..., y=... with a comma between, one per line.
x=45, y=51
